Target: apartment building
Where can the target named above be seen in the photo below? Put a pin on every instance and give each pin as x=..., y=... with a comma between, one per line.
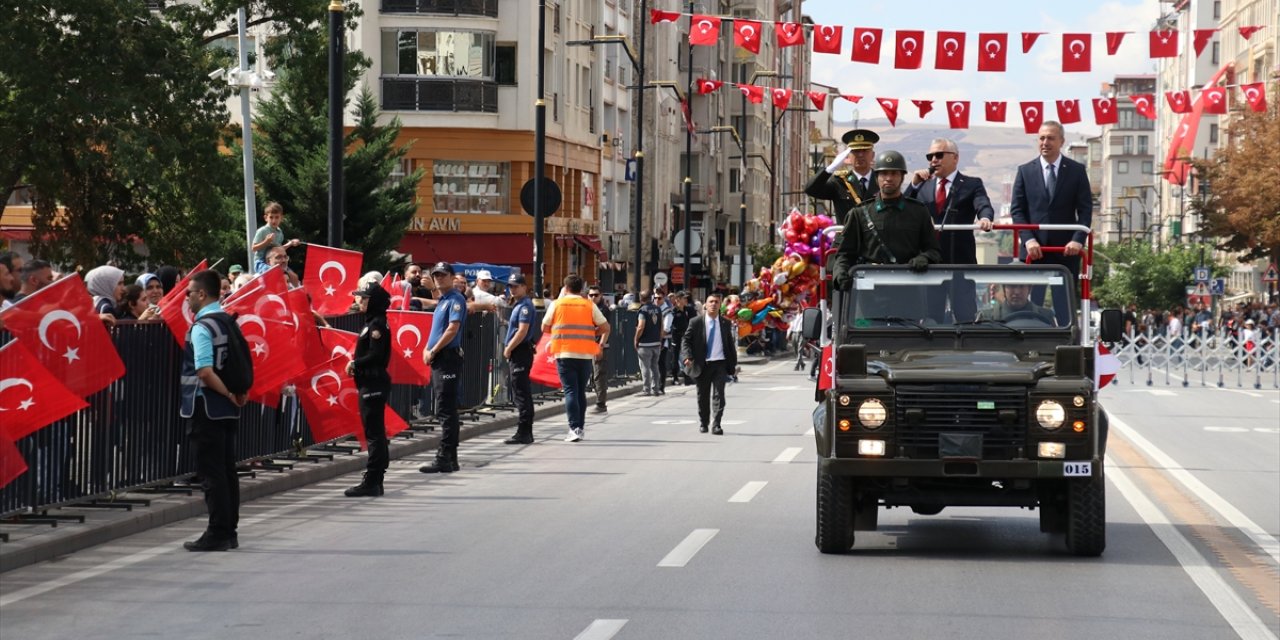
x=1124, y=198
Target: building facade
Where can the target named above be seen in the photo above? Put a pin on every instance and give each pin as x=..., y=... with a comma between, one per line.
x=1123, y=196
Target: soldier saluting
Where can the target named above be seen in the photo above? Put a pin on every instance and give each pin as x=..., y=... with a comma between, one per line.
x=848, y=185
x=891, y=229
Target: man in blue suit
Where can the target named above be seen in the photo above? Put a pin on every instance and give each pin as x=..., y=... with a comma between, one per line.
x=952, y=199
x=1053, y=189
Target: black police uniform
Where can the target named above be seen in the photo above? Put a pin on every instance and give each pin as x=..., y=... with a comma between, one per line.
x=521, y=365
x=373, y=354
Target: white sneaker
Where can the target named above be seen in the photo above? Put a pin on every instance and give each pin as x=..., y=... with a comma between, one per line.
x=574, y=435
x=578, y=432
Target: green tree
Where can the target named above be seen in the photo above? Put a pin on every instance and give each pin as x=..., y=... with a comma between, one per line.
x=1243, y=203
x=1132, y=272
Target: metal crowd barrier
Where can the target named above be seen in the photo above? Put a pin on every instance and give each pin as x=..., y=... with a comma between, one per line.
x=130, y=437
x=1207, y=359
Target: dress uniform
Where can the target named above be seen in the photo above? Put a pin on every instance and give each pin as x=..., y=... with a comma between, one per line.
x=369, y=368
x=842, y=185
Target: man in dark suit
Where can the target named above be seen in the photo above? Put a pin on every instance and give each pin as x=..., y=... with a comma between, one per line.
x=848, y=185
x=1053, y=189
x=952, y=199
x=709, y=356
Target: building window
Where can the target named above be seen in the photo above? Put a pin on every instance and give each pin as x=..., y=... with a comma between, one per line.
x=461, y=186
x=735, y=180
x=741, y=73
x=1122, y=166
x=504, y=64
x=453, y=54
x=1213, y=134
x=1216, y=52
x=1148, y=167
x=1126, y=145
x=1142, y=146
x=1217, y=9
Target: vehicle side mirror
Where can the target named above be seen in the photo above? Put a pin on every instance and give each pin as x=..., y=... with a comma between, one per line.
x=1111, y=325
x=811, y=324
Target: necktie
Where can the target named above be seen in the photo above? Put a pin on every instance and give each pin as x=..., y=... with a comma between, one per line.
x=940, y=198
x=863, y=181
x=711, y=336
x=1051, y=183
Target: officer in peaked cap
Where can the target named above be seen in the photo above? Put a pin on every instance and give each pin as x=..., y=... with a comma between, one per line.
x=852, y=184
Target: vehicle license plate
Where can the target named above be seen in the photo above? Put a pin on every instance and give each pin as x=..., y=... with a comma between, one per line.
x=1076, y=469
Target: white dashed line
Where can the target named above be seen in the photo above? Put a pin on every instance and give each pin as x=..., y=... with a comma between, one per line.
x=690, y=546
x=601, y=630
x=787, y=455
x=748, y=491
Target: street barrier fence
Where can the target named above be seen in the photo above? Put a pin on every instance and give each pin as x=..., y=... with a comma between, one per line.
x=1204, y=359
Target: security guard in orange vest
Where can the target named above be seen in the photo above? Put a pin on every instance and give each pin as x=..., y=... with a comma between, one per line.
x=578, y=329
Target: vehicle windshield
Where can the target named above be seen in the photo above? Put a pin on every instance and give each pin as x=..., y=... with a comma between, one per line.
x=997, y=298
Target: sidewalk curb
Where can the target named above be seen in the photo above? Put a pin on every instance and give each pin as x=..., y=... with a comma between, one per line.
x=100, y=527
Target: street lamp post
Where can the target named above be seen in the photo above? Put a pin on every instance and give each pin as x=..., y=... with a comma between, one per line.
x=688, y=172
x=539, y=153
x=336, y=91
x=742, y=205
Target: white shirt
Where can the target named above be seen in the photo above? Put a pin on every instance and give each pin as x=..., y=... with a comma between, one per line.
x=5, y=304
x=485, y=297
x=951, y=180
x=1044, y=169
x=1175, y=326
x=717, y=347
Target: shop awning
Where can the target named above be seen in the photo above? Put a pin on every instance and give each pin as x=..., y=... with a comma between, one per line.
x=592, y=244
x=513, y=249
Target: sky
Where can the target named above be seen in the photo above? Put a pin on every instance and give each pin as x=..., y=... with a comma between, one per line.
x=1034, y=76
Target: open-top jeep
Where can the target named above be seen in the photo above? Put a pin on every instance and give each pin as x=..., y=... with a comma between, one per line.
x=950, y=388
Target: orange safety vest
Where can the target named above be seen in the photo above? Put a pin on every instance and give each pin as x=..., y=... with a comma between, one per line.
x=573, y=330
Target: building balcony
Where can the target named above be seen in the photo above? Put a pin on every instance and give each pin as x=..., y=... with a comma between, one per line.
x=439, y=94
x=442, y=7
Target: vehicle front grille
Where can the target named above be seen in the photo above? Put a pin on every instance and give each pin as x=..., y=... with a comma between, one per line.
x=923, y=412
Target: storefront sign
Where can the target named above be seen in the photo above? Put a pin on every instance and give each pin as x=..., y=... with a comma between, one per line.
x=436, y=223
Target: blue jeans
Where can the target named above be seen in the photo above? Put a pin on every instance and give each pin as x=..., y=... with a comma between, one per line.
x=575, y=374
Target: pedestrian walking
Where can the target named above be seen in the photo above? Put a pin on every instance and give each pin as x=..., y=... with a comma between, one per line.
x=709, y=358
x=578, y=329
x=369, y=369
x=212, y=409
x=444, y=355
x=648, y=342
x=521, y=341
x=681, y=315
x=600, y=366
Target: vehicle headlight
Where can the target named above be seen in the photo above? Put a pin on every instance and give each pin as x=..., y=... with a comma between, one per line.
x=1050, y=414
x=871, y=413
x=844, y=401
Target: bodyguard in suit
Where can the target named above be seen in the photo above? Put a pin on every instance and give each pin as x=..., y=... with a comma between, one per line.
x=1053, y=189
x=709, y=356
x=851, y=185
x=952, y=199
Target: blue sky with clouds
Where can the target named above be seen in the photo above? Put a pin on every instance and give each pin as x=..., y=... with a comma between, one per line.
x=1034, y=76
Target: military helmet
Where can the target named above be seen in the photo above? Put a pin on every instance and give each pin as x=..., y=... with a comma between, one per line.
x=891, y=161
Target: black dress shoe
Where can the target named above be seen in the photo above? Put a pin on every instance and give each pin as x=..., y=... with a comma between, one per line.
x=717, y=431
x=518, y=440
x=702, y=428
x=234, y=541
x=207, y=543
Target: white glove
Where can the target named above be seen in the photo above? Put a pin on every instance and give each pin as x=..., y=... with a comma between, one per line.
x=835, y=164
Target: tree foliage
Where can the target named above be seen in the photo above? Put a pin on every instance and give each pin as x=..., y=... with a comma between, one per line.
x=1242, y=206
x=1132, y=272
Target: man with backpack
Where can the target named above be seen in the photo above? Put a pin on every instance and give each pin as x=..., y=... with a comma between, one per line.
x=217, y=372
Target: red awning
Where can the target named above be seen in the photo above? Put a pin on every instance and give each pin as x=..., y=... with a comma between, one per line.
x=563, y=241
x=15, y=234
x=512, y=249
x=592, y=243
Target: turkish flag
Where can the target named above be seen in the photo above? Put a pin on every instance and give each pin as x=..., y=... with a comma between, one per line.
x=306, y=336
x=950, y=54
x=746, y=34
x=267, y=322
x=754, y=93
x=827, y=370
x=1177, y=168
x=827, y=38
x=11, y=463
x=851, y=98
x=958, y=114
x=909, y=51
x=329, y=400
x=409, y=331
x=705, y=30
x=329, y=295
x=706, y=86
x=1029, y=40
x=789, y=34
x=1215, y=100
x=656, y=16
x=1114, y=38
x=1256, y=95
x=338, y=344
x=1105, y=366
x=31, y=397
x=1200, y=38
x=1144, y=103
x=992, y=51
x=388, y=281
x=995, y=111
x=544, y=370
x=59, y=326
x=1077, y=52
x=1247, y=32
x=890, y=107
x=1104, y=111
x=818, y=98
x=1163, y=44
x=175, y=309
x=781, y=98
x=925, y=106
x=1032, y=116
x=1179, y=101
x=1068, y=111
x=866, y=45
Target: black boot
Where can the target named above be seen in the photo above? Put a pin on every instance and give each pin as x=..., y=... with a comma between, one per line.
x=370, y=486
x=519, y=438
x=446, y=461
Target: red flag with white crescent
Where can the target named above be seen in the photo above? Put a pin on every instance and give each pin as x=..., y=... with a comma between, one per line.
x=175, y=309
x=1163, y=43
x=1144, y=103
x=746, y=34
x=909, y=51
x=925, y=106
x=1200, y=39
x=995, y=111
x=1104, y=111
x=958, y=114
x=827, y=38
x=31, y=398
x=409, y=331
x=789, y=34
x=1032, y=116
x=706, y=86
x=1256, y=95
x=992, y=51
x=704, y=30
x=656, y=16
x=266, y=319
x=890, y=108
x=1105, y=366
x=1077, y=52
x=1068, y=111
x=851, y=98
x=754, y=93
x=818, y=98
x=306, y=336
x=1247, y=32
x=330, y=277
x=544, y=370
x=827, y=370
x=329, y=400
x=1179, y=101
x=866, y=45
x=1215, y=100
x=950, y=51
x=781, y=98
x=11, y=463
x=1114, y=38
x=1029, y=40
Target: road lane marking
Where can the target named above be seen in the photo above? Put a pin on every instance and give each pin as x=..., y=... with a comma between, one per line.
x=787, y=455
x=748, y=491
x=1224, y=509
x=601, y=630
x=1229, y=604
x=809, y=433
x=690, y=546
x=1226, y=429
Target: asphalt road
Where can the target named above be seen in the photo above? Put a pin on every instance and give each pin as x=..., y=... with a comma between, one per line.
x=648, y=529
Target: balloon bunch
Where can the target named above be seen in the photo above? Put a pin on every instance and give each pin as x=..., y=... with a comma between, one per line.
x=786, y=285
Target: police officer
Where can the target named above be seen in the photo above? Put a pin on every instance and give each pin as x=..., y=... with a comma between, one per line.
x=892, y=229
x=444, y=355
x=848, y=186
x=522, y=338
x=369, y=368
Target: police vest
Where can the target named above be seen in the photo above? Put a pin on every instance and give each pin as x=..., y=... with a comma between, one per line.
x=216, y=406
x=651, y=336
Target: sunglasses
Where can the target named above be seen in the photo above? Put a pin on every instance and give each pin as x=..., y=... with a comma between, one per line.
x=936, y=155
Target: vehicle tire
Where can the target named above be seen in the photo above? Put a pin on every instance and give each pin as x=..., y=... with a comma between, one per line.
x=1104, y=426
x=926, y=509
x=835, y=513
x=1087, y=516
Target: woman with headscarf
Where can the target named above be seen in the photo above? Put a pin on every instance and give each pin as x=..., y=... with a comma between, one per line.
x=152, y=293
x=169, y=277
x=106, y=285
x=369, y=368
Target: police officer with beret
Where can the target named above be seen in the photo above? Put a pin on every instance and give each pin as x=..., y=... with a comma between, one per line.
x=891, y=229
x=852, y=185
x=369, y=368
x=522, y=339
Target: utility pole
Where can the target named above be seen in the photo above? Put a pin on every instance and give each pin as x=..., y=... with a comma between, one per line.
x=337, y=52
x=539, y=152
x=250, y=200
x=688, y=170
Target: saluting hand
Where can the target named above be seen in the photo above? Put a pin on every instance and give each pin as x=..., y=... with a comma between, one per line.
x=835, y=164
